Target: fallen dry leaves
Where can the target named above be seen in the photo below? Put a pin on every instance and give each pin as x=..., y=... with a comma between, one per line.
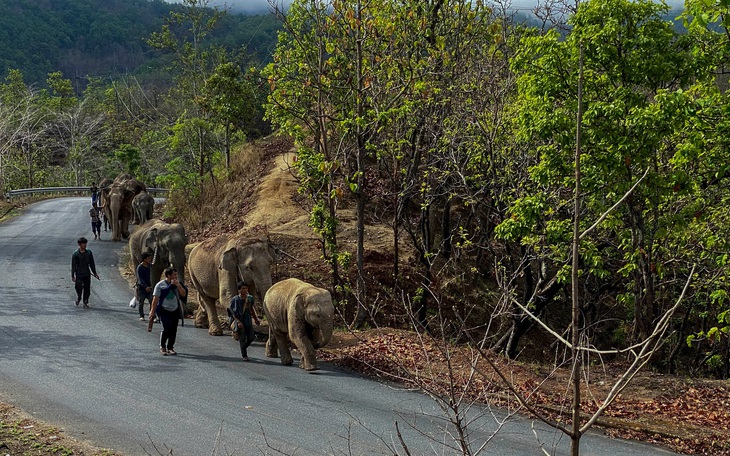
x=688, y=416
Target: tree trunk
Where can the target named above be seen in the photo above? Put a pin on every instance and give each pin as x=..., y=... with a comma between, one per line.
x=362, y=311
x=227, y=145
x=396, y=251
x=446, y=229
x=576, y=358
x=522, y=323
x=2, y=176
x=681, y=342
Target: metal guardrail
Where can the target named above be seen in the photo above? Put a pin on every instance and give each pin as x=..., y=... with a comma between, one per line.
x=28, y=191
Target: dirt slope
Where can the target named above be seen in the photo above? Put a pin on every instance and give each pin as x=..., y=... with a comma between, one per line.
x=275, y=206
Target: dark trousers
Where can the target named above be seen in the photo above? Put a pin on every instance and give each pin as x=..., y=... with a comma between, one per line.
x=245, y=337
x=83, y=284
x=141, y=297
x=96, y=227
x=169, y=327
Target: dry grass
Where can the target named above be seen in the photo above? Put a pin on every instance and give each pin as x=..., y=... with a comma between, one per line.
x=22, y=435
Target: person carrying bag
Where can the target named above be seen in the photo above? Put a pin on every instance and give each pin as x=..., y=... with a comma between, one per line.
x=168, y=301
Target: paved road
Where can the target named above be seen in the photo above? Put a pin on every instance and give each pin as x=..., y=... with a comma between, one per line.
x=97, y=372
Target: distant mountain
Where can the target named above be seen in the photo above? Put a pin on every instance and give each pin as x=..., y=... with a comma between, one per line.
x=101, y=38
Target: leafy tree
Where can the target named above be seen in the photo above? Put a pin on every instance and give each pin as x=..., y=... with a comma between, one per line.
x=300, y=83
x=61, y=94
x=432, y=105
x=635, y=68
x=367, y=74
x=130, y=156
x=703, y=160
x=186, y=35
x=229, y=100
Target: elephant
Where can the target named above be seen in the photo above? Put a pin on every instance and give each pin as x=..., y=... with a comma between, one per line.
x=215, y=266
x=165, y=241
x=302, y=312
x=104, y=187
x=143, y=206
x=121, y=193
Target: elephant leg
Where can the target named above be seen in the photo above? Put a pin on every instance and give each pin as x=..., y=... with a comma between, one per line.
x=116, y=231
x=283, y=344
x=272, y=349
x=214, y=327
x=309, y=357
x=201, y=317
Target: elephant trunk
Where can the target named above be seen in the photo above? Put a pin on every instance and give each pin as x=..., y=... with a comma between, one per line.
x=321, y=336
x=179, y=264
x=114, y=207
x=261, y=287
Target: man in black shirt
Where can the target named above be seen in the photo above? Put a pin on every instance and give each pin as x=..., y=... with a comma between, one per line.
x=144, y=283
x=82, y=268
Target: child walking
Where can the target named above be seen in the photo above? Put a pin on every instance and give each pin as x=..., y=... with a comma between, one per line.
x=95, y=221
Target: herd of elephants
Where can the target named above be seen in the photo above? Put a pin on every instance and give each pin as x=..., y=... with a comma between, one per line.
x=295, y=310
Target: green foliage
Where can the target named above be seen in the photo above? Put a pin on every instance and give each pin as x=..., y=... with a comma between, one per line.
x=131, y=158
x=649, y=101
x=61, y=95
x=525, y=214
x=105, y=38
x=326, y=227
x=181, y=181
x=228, y=97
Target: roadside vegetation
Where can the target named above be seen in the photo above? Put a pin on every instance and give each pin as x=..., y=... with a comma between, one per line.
x=21, y=435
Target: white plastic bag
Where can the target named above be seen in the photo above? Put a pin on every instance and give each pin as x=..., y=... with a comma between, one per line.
x=133, y=302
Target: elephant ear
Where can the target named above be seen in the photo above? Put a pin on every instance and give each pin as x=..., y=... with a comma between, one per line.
x=152, y=237
x=228, y=259
x=299, y=304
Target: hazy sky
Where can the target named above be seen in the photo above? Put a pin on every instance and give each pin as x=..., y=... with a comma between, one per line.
x=262, y=6
x=242, y=6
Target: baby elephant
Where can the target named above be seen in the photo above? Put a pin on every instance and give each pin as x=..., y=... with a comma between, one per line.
x=303, y=312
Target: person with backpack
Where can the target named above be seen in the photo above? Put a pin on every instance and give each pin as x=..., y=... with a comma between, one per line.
x=82, y=268
x=167, y=303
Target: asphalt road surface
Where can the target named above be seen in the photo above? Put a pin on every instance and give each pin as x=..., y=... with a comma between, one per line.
x=98, y=373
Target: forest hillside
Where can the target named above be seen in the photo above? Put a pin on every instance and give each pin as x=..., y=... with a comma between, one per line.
x=104, y=38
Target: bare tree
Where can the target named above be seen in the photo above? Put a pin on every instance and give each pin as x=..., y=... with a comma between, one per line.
x=20, y=127
x=80, y=135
